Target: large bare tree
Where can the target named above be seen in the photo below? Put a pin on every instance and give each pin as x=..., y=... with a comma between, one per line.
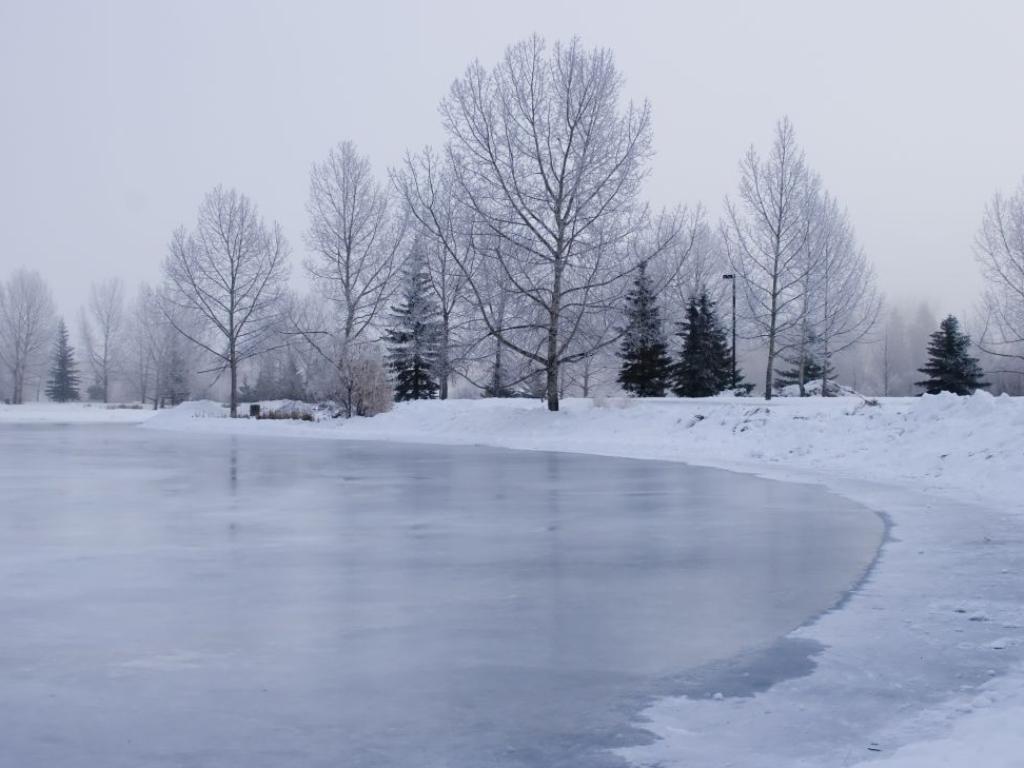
x=357, y=237
x=765, y=235
x=228, y=274
x=27, y=319
x=550, y=165
x=102, y=331
x=999, y=249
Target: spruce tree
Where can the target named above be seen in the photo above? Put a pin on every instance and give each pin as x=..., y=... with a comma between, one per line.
x=291, y=385
x=63, y=384
x=950, y=368
x=414, y=339
x=705, y=364
x=176, y=389
x=646, y=366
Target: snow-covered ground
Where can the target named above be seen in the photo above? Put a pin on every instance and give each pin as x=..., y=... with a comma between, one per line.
x=922, y=666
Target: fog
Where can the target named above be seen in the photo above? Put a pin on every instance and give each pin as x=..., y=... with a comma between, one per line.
x=118, y=116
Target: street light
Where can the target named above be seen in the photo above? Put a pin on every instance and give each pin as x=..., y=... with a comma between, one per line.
x=732, y=279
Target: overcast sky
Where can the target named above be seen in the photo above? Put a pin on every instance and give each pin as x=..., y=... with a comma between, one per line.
x=117, y=117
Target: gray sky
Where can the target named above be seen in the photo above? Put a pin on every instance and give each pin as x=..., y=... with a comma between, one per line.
x=118, y=116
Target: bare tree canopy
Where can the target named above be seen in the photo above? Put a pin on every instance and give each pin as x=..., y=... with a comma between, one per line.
x=845, y=303
x=550, y=166
x=999, y=249
x=356, y=235
x=356, y=238
x=229, y=275
x=102, y=329
x=765, y=236
x=27, y=319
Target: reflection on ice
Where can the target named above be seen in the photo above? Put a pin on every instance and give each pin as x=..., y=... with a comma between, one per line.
x=378, y=605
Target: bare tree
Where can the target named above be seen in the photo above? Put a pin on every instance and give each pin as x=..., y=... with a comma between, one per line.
x=999, y=249
x=341, y=370
x=229, y=274
x=765, y=237
x=102, y=329
x=27, y=319
x=357, y=237
x=550, y=166
x=426, y=185
x=698, y=266
x=846, y=303
x=157, y=364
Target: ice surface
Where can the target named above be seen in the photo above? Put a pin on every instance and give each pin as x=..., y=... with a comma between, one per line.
x=910, y=676
x=218, y=600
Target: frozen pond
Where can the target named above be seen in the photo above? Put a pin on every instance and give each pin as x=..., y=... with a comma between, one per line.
x=182, y=600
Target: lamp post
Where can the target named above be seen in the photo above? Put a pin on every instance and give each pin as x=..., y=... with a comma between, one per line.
x=732, y=278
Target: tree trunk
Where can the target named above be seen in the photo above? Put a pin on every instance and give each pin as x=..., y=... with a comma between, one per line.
x=802, y=370
x=824, y=369
x=552, y=388
x=234, y=382
x=552, y=353
x=772, y=324
x=445, y=341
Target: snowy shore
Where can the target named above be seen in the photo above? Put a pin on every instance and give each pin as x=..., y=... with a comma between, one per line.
x=922, y=666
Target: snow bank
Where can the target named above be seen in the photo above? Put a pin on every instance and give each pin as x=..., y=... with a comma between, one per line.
x=73, y=413
x=924, y=666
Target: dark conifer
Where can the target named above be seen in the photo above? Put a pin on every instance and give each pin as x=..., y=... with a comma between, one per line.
x=414, y=339
x=950, y=368
x=63, y=384
x=646, y=366
x=176, y=388
x=705, y=364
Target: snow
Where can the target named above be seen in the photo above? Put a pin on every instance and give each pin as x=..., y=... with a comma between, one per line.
x=922, y=666
x=74, y=413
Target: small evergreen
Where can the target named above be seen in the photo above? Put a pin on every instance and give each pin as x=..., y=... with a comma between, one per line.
x=705, y=364
x=63, y=384
x=277, y=378
x=646, y=366
x=813, y=370
x=414, y=340
x=176, y=389
x=291, y=384
x=950, y=368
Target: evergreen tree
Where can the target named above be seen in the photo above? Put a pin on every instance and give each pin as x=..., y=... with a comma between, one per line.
x=176, y=389
x=705, y=364
x=646, y=367
x=812, y=368
x=63, y=384
x=950, y=368
x=414, y=340
x=290, y=384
